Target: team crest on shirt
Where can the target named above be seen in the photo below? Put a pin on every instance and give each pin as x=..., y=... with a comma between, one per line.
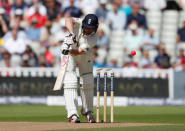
x=89, y=21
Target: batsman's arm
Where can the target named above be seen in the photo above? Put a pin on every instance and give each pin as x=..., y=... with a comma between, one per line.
x=82, y=49
x=76, y=52
x=69, y=22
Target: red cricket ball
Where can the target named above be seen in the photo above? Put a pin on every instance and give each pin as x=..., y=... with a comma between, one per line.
x=133, y=52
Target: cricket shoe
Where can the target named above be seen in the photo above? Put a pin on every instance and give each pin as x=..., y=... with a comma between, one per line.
x=74, y=119
x=90, y=118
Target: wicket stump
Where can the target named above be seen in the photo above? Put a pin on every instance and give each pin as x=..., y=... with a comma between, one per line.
x=105, y=96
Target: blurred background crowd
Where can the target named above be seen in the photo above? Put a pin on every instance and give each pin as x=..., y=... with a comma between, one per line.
x=31, y=32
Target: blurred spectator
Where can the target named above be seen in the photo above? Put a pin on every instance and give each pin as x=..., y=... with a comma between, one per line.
x=72, y=10
x=28, y=2
x=15, y=43
x=113, y=64
x=66, y=3
x=103, y=40
x=146, y=62
x=50, y=58
x=141, y=19
x=162, y=60
x=102, y=44
x=46, y=34
x=89, y=6
x=53, y=9
x=6, y=62
x=102, y=11
x=151, y=41
x=181, y=33
x=37, y=7
x=179, y=63
x=21, y=33
x=6, y=5
x=46, y=39
x=38, y=17
x=129, y=62
x=124, y=6
x=42, y=60
x=132, y=41
x=56, y=24
x=116, y=19
x=3, y=23
x=39, y=37
x=95, y=62
x=33, y=32
x=134, y=24
x=16, y=60
x=57, y=41
x=173, y=5
x=33, y=60
x=140, y=2
x=29, y=58
x=181, y=3
x=19, y=16
x=155, y=5
x=19, y=4
x=25, y=60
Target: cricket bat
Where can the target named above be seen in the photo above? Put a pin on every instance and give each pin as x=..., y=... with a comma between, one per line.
x=61, y=73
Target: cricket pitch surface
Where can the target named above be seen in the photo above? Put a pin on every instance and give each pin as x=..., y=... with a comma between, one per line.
x=43, y=126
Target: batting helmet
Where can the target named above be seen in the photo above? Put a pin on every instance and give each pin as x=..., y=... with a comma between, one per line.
x=90, y=21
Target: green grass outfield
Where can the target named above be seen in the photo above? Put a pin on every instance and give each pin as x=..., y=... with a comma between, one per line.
x=131, y=114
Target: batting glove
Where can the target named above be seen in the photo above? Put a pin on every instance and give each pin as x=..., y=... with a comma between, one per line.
x=73, y=37
x=65, y=48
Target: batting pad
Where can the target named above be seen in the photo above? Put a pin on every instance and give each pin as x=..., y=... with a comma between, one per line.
x=87, y=98
x=71, y=101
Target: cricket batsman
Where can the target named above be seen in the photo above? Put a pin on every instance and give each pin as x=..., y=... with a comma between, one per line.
x=78, y=46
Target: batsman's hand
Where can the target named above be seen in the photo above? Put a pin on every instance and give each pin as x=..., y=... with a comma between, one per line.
x=71, y=38
x=68, y=44
x=65, y=52
x=65, y=48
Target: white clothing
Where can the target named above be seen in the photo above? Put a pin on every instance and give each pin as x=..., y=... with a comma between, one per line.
x=87, y=98
x=42, y=10
x=15, y=46
x=71, y=100
x=20, y=35
x=117, y=20
x=154, y=4
x=89, y=6
x=85, y=64
x=132, y=42
x=66, y=3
